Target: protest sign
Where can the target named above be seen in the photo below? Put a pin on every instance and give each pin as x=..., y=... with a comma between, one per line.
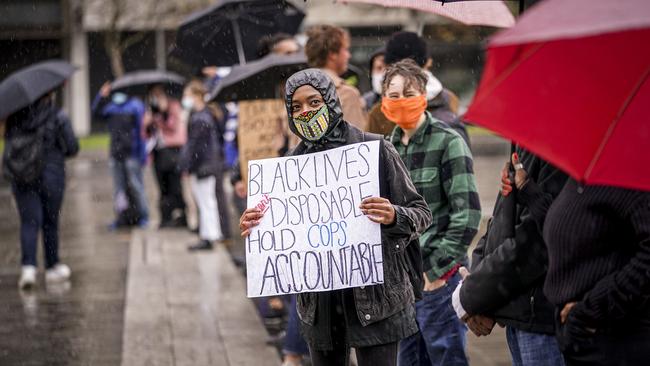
x=313, y=236
x=260, y=130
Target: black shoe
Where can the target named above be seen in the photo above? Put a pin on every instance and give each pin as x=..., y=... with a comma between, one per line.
x=201, y=245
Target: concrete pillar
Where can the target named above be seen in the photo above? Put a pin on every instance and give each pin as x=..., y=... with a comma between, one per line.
x=161, y=51
x=77, y=97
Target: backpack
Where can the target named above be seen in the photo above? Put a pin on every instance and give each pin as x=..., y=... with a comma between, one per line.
x=412, y=253
x=23, y=156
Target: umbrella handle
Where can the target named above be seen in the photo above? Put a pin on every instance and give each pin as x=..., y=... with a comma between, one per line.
x=238, y=42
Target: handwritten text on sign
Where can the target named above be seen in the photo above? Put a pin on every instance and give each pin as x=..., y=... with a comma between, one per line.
x=313, y=236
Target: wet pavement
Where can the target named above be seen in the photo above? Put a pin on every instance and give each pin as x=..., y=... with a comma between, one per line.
x=91, y=322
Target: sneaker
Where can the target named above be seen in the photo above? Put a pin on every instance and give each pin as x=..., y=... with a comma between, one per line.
x=59, y=273
x=143, y=223
x=27, y=277
x=201, y=245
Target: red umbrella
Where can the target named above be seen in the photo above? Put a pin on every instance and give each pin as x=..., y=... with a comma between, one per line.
x=475, y=12
x=570, y=82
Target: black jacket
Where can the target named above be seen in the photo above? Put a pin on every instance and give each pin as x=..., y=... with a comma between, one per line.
x=372, y=304
x=510, y=261
x=201, y=155
x=59, y=140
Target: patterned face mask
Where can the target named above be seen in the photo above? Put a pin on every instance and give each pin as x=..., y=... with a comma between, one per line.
x=312, y=125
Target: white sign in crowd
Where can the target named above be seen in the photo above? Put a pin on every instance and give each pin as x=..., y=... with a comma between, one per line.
x=313, y=236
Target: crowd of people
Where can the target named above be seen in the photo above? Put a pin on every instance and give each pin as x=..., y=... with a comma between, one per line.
x=563, y=267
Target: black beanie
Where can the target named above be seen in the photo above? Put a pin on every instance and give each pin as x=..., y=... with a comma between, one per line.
x=403, y=45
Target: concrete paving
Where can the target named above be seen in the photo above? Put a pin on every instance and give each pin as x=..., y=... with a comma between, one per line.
x=139, y=298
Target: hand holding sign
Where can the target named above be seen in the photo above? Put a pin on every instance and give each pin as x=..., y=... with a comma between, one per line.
x=249, y=219
x=378, y=210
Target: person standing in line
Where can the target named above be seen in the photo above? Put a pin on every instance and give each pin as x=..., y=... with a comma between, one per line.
x=200, y=158
x=39, y=197
x=164, y=123
x=328, y=48
x=509, y=266
x=598, y=240
x=371, y=319
x=128, y=156
x=441, y=167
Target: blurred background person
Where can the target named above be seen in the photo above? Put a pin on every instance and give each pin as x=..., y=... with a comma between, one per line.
x=201, y=159
x=124, y=115
x=377, y=72
x=39, y=197
x=328, y=48
x=164, y=124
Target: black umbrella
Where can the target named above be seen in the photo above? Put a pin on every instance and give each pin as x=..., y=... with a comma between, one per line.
x=139, y=82
x=227, y=33
x=27, y=85
x=258, y=79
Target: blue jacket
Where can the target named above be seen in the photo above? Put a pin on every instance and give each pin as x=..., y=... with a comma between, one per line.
x=124, y=125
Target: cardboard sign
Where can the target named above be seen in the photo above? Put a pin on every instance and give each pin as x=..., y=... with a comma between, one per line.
x=260, y=130
x=313, y=236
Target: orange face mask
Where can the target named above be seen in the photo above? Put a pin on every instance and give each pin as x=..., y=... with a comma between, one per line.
x=405, y=112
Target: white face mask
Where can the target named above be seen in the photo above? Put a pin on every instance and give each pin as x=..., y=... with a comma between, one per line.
x=187, y=103
x=377, y=80
x=119, y=98
x=434, y=86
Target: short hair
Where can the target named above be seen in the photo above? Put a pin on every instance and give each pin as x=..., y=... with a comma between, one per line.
x=196, y=87
x=404, y=45
x=410, y=71
x=266, y=43
x=323, y=40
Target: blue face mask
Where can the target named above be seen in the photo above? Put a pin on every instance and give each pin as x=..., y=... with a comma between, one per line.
x=119, y=98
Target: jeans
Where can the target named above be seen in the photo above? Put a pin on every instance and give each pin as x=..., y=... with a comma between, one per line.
x=222, y=205
x=294, y=343
x=533, y=349
x=128, y=174
x=39, y=205
x=441, y=340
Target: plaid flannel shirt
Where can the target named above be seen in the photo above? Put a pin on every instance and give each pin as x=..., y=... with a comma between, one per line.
x=441, y=167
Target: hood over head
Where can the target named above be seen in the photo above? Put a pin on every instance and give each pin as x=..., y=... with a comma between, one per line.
x=325, y=85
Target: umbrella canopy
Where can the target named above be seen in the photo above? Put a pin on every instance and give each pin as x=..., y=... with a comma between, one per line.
x=570, y=83
x=475, y=12
x=139, y=82
x=228, y=32
x=258, y=79
x=27, y=85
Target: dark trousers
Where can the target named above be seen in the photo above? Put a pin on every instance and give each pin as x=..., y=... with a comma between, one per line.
x=627, y=344
x=168, y=176
x=379, y=355
x=222, y=206
x=38, y=206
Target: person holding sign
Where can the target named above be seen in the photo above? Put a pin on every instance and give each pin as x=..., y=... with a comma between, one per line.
x=440, y=165
x=372, y=319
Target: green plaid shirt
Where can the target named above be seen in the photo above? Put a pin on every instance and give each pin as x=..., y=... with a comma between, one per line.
x=440, y=165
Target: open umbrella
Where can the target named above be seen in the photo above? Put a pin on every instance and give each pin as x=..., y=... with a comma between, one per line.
x=27, y=85
x=227, y=33
x=258, y=79
x=570, y=83
x=471, y=12
x=138, y=82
